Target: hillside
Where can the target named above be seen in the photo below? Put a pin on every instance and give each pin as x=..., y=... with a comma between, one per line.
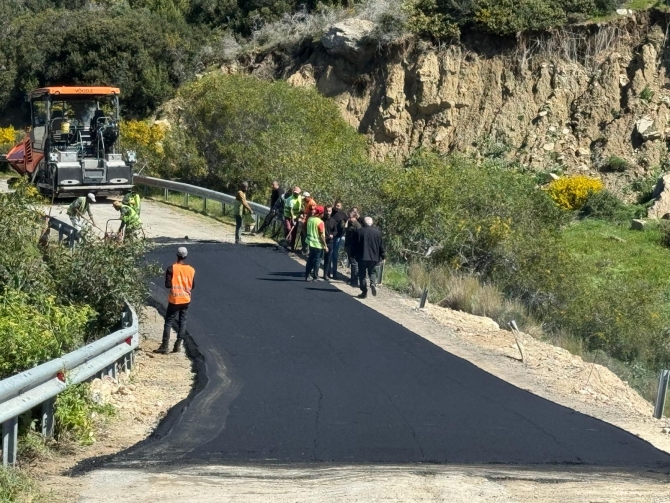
x=587, y=99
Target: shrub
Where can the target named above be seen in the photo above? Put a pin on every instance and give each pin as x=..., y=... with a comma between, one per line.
x=145, y=138
x=571, y=193
x=244, y=128
x=74, y=413
x=17, y=487
x=8, y=138
x=646, y=94
x=664, y=228
x=606, y=206
x=36, y=330
x=616, y=164
x=644, y=187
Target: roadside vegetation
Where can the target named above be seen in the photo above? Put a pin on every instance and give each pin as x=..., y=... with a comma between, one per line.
x=559, y=259
x=54, y=299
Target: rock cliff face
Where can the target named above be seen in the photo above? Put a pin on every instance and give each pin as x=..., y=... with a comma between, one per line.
x=568, y=102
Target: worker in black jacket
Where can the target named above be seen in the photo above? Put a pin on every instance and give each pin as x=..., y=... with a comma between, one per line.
x=369, y=252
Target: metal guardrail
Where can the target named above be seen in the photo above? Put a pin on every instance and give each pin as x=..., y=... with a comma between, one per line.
x=65, y=231
x=187, y=189
x=663, y=383
x=40, y=385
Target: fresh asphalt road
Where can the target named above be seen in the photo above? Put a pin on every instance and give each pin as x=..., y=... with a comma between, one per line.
x=301, y=372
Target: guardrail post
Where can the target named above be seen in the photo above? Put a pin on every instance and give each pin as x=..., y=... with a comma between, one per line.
x=424, y=297
x=10, y=434
x=48, y=418
x=165, y=196
x=186, y=199
x=204, y=205
x=662, y=392
x=380, y=280
x=223, y=209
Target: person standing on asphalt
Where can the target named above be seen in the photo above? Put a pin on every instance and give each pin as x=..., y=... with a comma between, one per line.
x=133, y=199
x=292, y=208
x=307, y=211
x=316, y=239
x=180, y=279
x=77, y=209
x=341, y=220
x=350, y=237
x=239, y=207
x=277, y=195
x=331, y=232
x=369, y=252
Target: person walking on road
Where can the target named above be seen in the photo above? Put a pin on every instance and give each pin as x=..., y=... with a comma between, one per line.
x=180, y=279
x=369, y=252
x=239, y=207
x=316, y=239
x=331, y=232
x=77, y=209
x=130, y=220
x=292, y=208
x=350, y=237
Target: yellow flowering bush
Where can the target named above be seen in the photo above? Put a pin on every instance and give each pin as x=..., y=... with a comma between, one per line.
x=8, y=138
x=571, y=193
x=144, y=137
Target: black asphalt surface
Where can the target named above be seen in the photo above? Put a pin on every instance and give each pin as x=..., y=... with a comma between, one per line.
x=300, y=372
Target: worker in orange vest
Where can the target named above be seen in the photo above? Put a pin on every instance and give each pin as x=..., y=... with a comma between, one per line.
x=180, y=279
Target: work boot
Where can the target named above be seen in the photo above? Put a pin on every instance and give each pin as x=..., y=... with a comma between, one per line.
x=362, y=295
x=374, y=290
x=162, y=349
x=178, y=346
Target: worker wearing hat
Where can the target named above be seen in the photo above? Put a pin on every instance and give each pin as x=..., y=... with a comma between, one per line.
x=130, y=220
x=239, y=207
x=77, y=209
x=180, y=279
x=316, y=239
x=308, y=208
x=292, y=208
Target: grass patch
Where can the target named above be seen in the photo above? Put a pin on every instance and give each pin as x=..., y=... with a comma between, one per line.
x=18, y=487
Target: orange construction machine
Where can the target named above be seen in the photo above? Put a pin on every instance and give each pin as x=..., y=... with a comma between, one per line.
x=73, y=143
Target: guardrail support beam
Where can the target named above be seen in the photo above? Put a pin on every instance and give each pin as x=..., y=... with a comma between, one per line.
x=165, y=196
x=204, y=205
x=10, y=434
x=48, y=418
x=186, y=199
x=662, y=392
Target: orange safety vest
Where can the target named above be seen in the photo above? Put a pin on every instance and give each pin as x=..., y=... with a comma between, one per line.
x=182, y=283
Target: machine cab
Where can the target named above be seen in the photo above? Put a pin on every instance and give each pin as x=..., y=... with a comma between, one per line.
x=74, y=142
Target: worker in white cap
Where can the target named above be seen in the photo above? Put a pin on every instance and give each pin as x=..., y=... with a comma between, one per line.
x=77, y=209
x=180, y=279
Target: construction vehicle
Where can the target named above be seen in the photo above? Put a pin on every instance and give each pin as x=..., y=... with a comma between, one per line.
x=72, y=147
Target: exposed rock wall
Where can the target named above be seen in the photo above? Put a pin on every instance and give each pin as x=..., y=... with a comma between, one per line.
x=564, y=102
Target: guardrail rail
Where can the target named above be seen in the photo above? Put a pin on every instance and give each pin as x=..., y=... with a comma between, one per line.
x=40, y=385
x=193, y=190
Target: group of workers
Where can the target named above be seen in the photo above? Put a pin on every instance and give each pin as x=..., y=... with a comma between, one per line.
x=79, y=212
x=322, y=231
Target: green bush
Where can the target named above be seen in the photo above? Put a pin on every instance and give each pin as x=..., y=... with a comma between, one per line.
x=616, y=164
x=606, y=206
x=75, y=413
x=243, y=128
x=36, y=330
x=647, y=94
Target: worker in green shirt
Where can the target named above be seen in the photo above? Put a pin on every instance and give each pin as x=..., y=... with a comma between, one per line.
x=77, y=209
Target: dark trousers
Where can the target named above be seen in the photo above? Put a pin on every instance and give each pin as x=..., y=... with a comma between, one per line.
x=175, y=312
x=326, y=260
x=367, y=267
x=354, y=269
x=238, y=227
x=313, y=262
x=334, y=255
x=268, y=220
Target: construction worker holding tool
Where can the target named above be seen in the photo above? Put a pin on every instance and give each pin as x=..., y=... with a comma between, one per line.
x=77, y=209
x=292, y=207
x=180, y=279
x=307, y=209
x=130, y=220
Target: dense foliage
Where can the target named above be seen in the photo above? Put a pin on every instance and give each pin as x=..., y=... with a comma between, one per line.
x=53, y=299
x=443, y=19
x=236, y=128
